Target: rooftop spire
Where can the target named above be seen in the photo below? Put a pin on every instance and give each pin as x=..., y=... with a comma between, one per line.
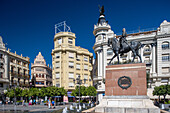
x=102, y=16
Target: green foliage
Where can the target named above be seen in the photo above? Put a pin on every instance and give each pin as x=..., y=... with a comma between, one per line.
x=167, y=102
x=49, y=91
x=10, y=93
x=34, y=92
x=91, y=91
x=162, y=90
x=25, y=93
x=84, y=91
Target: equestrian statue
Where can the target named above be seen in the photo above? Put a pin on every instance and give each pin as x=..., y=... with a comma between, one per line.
x=122, y=46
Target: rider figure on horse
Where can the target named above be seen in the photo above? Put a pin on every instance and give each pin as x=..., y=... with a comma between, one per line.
x=123, y=40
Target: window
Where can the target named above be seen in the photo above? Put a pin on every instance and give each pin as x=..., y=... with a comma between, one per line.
x=58, y=85
x=165, y=57
x=57, y=75
x=70, y=40
x=36, y=75
x=42, y=75
x=57, y=55
x=1, y=56
x=71, y=65
x=71, y=84
x=165, y=45
x=78, y=66
x=78, y=58
x=57, y=64
x=1, y=65
x=109, y=52
x=85, y=59
x=165, y=70
x=39, y=69
x=71, y=75
x=147, y=49
x=37, y=62
x=164, y=80
x=1, y=74
x=71, y=55
x=77, y=75
x=85, y=67
x=60, y=41
x=86, y=76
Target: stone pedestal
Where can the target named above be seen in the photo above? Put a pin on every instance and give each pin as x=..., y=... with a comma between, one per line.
x=126, y=90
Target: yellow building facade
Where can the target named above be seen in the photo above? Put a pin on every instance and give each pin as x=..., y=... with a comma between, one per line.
x=19, y=70
x=70, y=61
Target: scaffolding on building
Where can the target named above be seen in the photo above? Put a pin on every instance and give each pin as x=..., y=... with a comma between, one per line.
x=62, y=27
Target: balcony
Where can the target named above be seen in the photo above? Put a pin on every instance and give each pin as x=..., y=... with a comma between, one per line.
x=13, y=73
x=1, y=59
x=148, y=62
x=96, y=78
x=146, y=51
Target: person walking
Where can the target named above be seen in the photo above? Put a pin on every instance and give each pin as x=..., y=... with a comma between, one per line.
x=49, y=103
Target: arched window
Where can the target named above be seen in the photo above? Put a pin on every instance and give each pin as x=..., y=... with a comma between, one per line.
x=146, y=48
x=165, y=45
x=109, y=52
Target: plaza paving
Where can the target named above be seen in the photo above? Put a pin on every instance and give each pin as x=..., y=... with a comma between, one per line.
x=29, y=109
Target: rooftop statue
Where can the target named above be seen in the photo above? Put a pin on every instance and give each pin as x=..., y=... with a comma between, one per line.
x=122, y=46
x=101, y=10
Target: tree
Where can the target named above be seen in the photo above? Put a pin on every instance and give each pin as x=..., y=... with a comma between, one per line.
x=91, y=91
x=10, y=93
x=25, y=93
x=162, y=90
x=62, y=91
x=33, y=92
x=156, y=92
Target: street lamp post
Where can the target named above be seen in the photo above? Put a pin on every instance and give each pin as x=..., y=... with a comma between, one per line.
x=79, y=82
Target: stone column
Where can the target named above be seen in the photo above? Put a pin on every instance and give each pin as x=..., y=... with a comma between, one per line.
x=101, y=63
x=153, y=59
x=141, y=54
x=98, y=63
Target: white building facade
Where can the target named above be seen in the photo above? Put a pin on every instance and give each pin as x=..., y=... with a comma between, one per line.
x=155, y=53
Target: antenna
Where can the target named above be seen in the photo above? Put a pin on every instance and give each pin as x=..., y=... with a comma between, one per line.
x=62, y=27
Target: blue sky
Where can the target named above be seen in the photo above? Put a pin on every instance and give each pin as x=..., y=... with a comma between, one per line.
x=27, y=26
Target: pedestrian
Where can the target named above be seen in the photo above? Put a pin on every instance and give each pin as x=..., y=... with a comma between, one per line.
x=49, y=103
x=34, y=102
x=53, y=104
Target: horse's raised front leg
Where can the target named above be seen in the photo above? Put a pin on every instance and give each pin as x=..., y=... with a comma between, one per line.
x=117, y=54
x=112, y=59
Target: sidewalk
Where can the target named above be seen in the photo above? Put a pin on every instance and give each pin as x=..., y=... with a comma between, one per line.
x=32, y=108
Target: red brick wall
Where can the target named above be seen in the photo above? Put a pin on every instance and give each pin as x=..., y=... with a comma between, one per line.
x=137, y=73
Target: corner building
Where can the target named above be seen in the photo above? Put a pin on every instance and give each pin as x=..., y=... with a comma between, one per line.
x=14, y=69
x=155, y=54
x=70, y=61
x=41, y=72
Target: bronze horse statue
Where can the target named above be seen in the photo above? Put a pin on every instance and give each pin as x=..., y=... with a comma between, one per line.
x=133, y=46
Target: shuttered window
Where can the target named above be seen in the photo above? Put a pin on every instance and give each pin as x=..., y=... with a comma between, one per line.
x=57, y=75
x=57, y=65
x=165, y=70
x=60, y=41
x=71, y=64
x=85, y=67
x=71, y=75
x=57, y=55
x=71, y=55
x=78, y=66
